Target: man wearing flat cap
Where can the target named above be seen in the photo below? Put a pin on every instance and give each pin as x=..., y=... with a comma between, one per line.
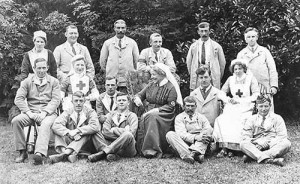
x=264, y=136
x=119, y=55
x=205, y=51
x=260, y=63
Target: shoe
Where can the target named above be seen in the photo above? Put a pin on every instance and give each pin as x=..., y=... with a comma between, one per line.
x=112, y=157
x=275, y=161
x=30, y=148
x=72, y=158
x=22, y=157
x=57, y=158
x=246, y=159
x=97, y=156
x=188, y=159
x=39, y=159
x=222, y=154
x=199, y=158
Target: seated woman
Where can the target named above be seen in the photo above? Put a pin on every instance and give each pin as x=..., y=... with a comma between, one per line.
x=38, y=51
x=77, y=80
x=162, y=94
x=244, y=90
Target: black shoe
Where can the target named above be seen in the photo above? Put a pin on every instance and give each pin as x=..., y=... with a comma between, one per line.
x=97, y=156
x=112, y=157
x=39, y=159
x=57, y=158
x=275, y=161
x=188, y=159
x=246, y=159
x=199, y=158
x=22, y=157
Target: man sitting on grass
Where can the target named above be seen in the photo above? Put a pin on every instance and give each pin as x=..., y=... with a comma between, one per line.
x=119, y=130
x=73, y=128
x=192, y=133
x=265, y=135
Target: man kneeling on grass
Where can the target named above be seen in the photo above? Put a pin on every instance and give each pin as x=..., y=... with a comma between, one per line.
x=192, y=133
x=73, y=128
x=265, y=135
x=119, y=130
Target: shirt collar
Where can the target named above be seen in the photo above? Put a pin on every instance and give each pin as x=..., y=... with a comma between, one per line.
x=36, y=80
x=254, y=47
x=208, y=88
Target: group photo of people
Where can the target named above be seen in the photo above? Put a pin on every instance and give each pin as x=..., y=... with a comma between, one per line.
x=130, y=91
x=60, y=103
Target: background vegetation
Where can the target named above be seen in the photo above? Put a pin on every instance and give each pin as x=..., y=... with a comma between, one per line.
x=176, y=20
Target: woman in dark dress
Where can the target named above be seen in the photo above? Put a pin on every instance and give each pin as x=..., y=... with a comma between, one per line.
x=162, y=94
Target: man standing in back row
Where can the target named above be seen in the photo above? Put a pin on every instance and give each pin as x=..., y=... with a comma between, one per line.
x=260, y=63
x=205, y=51
x=66, y=51
x=119, y=55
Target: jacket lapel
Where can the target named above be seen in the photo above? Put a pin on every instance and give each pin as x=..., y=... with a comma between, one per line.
x=212, y=94
x=68, y=49
x=106, y=103
x=198, y=95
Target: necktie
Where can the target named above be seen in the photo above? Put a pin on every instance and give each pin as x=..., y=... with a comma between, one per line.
x=120, y=45
x=78, y=118
x=119, y=117
x=203, y=54
x=41, y=81
x=263, y=121
x=156, y=58
x=73, y=49
x=111, y=102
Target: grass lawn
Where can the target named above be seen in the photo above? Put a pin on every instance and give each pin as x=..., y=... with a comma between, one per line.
x=140, y=170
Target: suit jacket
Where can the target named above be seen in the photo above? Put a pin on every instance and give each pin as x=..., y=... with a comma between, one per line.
x=262, y=65
x=118, y=61
x=210, y=107
x=63, y=55
x=31, y=96
x=216, y=61
x=103, y=107
x=128, y=122
x=88, y=123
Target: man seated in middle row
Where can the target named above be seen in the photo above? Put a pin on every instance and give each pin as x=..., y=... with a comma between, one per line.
x=119, y=131
x=192, y=133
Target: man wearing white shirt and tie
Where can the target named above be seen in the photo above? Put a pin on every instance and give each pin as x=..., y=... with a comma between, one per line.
x=119, y=55
x=106, y=102
x=205, y=51
x=66, y=51
x=119, y=131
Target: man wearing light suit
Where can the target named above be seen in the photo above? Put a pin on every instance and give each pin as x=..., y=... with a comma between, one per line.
x=207, y=96
x=107, y=100
x=205, y=51
x=119, y=55
x=66, y=51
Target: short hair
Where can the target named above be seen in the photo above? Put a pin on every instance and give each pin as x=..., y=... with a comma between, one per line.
x=111, y=78
x=38, y=60
x=237, y=62
x=203, y=25
x=123, y=94
x=79, y=94
x=202, y=70
x=120, y=21
x=76, y=58
x=159, y=71
x=251, y=29
x=154, y=35
x=189, y=99
x=72, y=26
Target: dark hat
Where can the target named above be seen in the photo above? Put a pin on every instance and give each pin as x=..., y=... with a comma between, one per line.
x=262, y=99
x=203, y=25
